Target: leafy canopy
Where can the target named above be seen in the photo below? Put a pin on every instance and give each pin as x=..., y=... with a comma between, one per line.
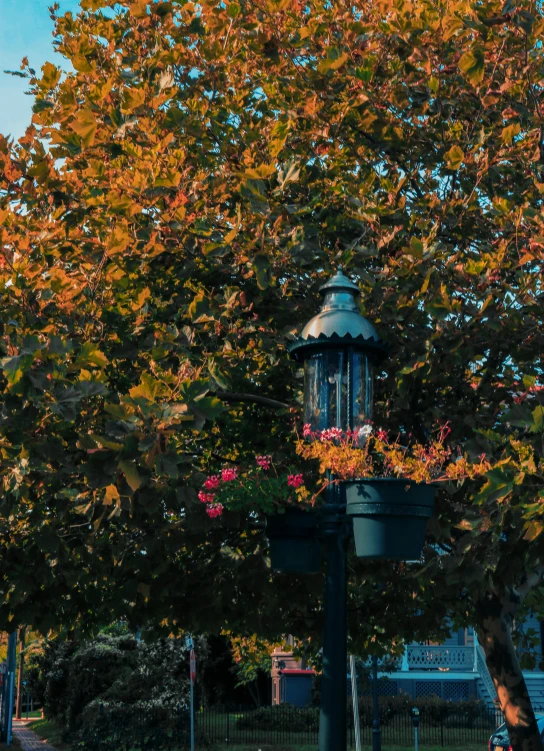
x=167, y=220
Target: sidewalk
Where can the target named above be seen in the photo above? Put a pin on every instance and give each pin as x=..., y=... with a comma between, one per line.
x=28, y=739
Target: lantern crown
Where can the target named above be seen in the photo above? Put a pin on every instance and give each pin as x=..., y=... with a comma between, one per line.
x=338, y=323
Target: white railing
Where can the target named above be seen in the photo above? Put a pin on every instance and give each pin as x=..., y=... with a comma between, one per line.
x=421, y=657
x=484, y=673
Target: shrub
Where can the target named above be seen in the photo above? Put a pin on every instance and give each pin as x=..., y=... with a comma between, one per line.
x=284, y=715
x=146, y=726
x=112, y=670
x=433, y=710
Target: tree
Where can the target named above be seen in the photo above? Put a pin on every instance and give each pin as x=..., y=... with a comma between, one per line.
x=167, y=220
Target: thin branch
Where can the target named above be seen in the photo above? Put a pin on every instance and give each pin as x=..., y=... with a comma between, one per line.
x=230, y=396
x=212, y=454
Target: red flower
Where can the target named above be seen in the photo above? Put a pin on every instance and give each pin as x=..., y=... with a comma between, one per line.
x=295, y=481
x=264, y=461
x=214, y=509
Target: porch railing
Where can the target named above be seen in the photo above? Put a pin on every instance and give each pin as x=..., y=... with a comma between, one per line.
x=421, y=657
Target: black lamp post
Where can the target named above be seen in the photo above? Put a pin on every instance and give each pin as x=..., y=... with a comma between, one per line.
x=339, y=349
x=388, y=516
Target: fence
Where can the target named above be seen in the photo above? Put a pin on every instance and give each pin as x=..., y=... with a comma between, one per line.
x=162, y=728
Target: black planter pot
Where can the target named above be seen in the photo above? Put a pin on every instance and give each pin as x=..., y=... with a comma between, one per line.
x=294, y=546
x=389, y=516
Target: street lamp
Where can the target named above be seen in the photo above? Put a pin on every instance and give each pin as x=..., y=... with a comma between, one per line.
x=339, y=349
x=387, y=516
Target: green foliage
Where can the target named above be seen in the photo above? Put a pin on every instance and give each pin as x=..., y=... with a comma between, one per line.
x=116, y=671
x=270, y=718
x=433, y=711
x=119, y=728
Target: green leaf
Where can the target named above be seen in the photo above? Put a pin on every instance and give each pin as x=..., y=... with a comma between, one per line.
x=199, y=306
x=416, y=247
x=85, y=125
x=12, y=368
x=208, y=406
x=261, y=172
x=334, y=60
x=499, y=484
x=147, y=389
x=454, y=157
x=91, y=355
x=111, y=496
x=278, y=136
x=534, y=530
x=538, y=420
x=132, y=99
x=93, y=4
x=118, y=241
x=51, y=75
x=131, y=474
x=167, y=465
x=508, y=133
x=81, y=64
x=472, y=65
x=261, y=267
x=233, y=10
x=525, y=20
x=519, y=416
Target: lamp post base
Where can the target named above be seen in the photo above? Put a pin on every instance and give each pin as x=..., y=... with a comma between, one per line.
x=333, y=714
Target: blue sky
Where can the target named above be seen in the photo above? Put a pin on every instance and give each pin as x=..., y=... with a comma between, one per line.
x=25, y=29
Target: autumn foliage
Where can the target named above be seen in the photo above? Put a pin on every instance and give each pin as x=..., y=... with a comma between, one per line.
x=183, y=190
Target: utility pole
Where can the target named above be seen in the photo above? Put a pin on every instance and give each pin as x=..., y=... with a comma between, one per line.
x=10, y=687
x=355, y=700
x=19, y=705
x=192, y=677
x=376, y=722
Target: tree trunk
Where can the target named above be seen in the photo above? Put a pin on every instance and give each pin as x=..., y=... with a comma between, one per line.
x=19, y=705
x=494, y=632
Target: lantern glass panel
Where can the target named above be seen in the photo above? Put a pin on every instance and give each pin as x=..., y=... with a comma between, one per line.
x=328, y=377
x=362, y=390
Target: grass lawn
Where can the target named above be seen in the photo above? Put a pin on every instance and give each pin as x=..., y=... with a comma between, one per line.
x=48, y=731
x=306, y=747
x=15, y=745
x=271, y=741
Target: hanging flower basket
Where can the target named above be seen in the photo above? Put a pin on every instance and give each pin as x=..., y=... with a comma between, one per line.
x=294, y=545
x=389, y=516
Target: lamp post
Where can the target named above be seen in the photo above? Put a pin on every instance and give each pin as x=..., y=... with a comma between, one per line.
x=387, y=516
x=339, y=349
x=376, y=724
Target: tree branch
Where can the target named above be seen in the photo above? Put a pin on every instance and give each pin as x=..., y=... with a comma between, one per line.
x=231, y=396
x=530, y=582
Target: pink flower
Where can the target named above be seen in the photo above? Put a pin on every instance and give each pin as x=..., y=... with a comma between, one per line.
x=229, y=474
x=214, y=509
x=212, y=482
x=330, y=434
x=307, y=430
x=205, y=497
x=381, y=434
x=295, y=481
x=263, y=461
